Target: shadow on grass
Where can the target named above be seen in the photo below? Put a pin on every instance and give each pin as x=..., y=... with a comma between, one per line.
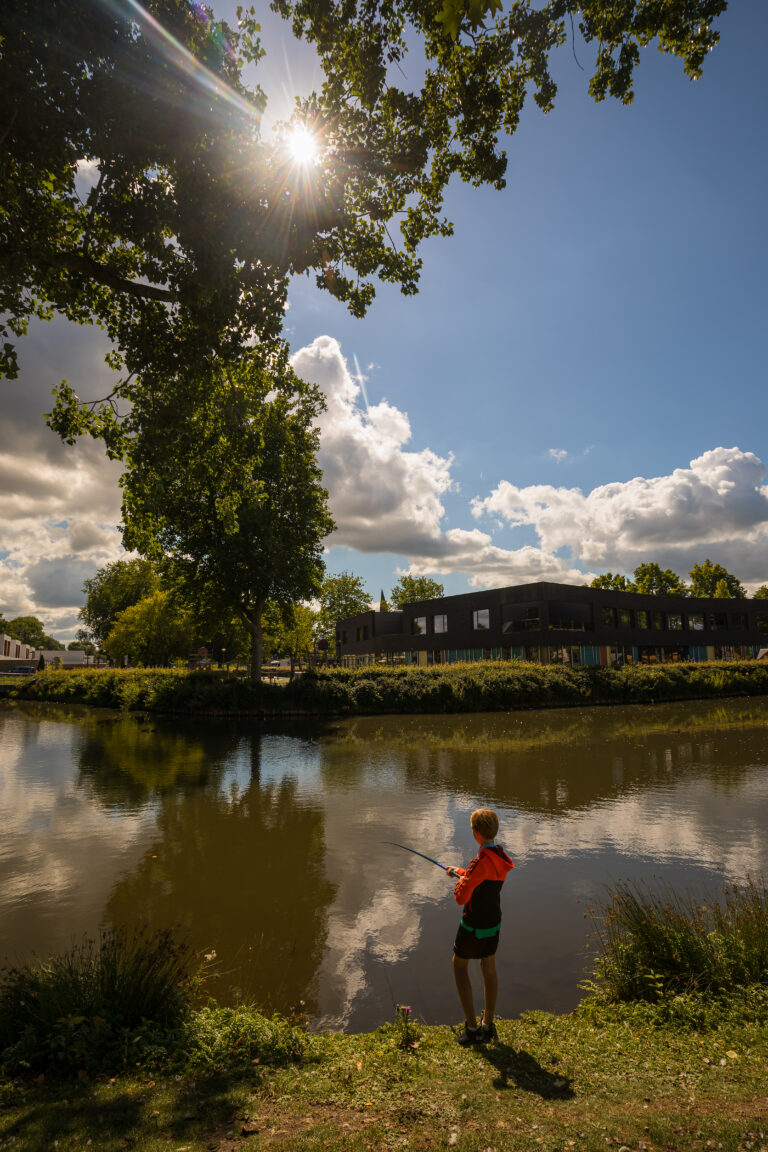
x=518, y=1069
x=130, y=1114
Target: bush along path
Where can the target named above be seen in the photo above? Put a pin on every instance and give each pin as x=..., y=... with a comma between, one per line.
x=482, y=687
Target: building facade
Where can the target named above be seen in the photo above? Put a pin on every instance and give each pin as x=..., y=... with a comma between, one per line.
x=557, y=624
x=15, y=653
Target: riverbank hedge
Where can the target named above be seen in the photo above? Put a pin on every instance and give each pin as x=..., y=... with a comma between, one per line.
x=482, y=687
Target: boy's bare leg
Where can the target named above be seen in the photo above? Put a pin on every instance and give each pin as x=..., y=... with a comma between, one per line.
x=490, y=988
x=464, y=989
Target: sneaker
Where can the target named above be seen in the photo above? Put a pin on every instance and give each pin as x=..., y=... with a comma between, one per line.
x=487, y=1033
x=468, y=1036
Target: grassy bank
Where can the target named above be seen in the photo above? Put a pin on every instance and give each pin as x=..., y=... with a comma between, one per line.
x=483, y=687
x=677, y=1062
x=623, y=1077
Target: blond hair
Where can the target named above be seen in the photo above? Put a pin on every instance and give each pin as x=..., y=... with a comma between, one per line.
x=485, y=821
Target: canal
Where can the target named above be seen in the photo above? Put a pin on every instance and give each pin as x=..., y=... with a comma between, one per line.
x=269, y=847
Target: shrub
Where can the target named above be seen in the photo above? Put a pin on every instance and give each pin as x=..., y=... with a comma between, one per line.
x=656, y=943
x=81, y=1009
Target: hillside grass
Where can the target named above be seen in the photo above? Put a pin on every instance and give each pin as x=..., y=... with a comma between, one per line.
x=481, y=687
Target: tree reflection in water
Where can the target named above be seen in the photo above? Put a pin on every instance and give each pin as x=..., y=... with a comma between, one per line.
x=238, y=872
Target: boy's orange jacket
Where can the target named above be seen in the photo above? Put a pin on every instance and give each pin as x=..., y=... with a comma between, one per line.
x=479, y=888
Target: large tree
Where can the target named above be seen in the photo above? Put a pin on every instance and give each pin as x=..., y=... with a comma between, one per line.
x=613, y=581
x=137, y=192
x=710, y=579
x=223, y=489
x=410, y=588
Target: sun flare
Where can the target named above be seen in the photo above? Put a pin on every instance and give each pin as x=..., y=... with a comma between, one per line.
x=302, y=145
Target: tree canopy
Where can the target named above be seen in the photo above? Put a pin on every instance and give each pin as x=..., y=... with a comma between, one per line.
x=710, y=579
x=152, y=632
x=30, y=630
x=410, y=588
x=223, y=489
x=657, y=581
x=114, y=588
x=340, y=597
x=137, y=191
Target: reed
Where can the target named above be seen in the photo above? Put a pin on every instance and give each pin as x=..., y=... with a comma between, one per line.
x=656, y=943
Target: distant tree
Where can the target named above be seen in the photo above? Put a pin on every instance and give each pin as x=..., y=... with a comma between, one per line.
x=651, y=579
x=706, y=578
x=340, y=597
x=762, y=593
x=30, y=631
x=295, y=633
x=41, y=663
x=410, y=588
x=616, y=582
x=153, y=632
x=113, y=589
x=81, y=646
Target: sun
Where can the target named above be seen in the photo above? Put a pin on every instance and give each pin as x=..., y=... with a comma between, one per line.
x=302, y=145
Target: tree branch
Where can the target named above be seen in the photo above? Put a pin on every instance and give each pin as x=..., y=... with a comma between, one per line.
x=74, y=262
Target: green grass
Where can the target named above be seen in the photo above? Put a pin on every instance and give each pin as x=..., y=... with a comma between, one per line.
x=481, y=687
x=599, y=1078
x=656, y=943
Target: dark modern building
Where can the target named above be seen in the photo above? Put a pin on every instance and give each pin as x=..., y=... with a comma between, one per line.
x=557, y=624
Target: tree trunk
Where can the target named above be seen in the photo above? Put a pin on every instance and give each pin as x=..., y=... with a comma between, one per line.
x=252, y=622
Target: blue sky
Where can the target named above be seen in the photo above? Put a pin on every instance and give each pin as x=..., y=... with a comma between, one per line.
x=585, y=335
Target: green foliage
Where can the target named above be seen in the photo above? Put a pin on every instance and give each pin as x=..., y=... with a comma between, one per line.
x=340, y=597
x=481, y=687
x=411, y=588
x=654, y=580
x=84, y=1009
x=152, y=632
x=213, y=1039
x=224, y=491
x=30, y=630
x=114, y=588
x=762, y=593
x=616, y=582
x=190, y=225
x=710, y=579
x=655, y=943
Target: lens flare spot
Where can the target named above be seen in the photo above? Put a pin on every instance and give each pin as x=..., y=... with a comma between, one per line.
x=302, y=145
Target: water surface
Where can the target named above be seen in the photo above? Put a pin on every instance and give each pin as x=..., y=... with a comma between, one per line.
x=269, y=847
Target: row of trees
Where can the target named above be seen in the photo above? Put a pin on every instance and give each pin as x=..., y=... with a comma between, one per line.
x=707, y=579
x=133, y=609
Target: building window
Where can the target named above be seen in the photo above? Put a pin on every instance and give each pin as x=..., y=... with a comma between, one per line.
x=643, y=618
x=365, y=632
x=609, y=617
x=419, y=626
x=739, y=619
x=520, y=617
x=762, y=623
x=440, y=623
x=343, y=637
x=625, y=617
x=696, y=621
x=675, y=622
x=718, y=621
x=481, y=619
x=658, y=621
x=570, y=616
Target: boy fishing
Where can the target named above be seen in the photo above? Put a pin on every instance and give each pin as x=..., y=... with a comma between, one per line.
x=479, y=890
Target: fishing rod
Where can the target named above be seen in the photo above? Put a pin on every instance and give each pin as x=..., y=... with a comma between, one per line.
x=445, y=867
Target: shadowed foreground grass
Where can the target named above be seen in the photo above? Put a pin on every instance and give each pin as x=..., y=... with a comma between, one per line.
x=687, y=1075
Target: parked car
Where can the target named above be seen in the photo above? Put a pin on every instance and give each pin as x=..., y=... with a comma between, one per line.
x=22, y=671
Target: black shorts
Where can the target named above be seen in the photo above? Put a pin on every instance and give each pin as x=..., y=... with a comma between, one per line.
x=467, y=946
